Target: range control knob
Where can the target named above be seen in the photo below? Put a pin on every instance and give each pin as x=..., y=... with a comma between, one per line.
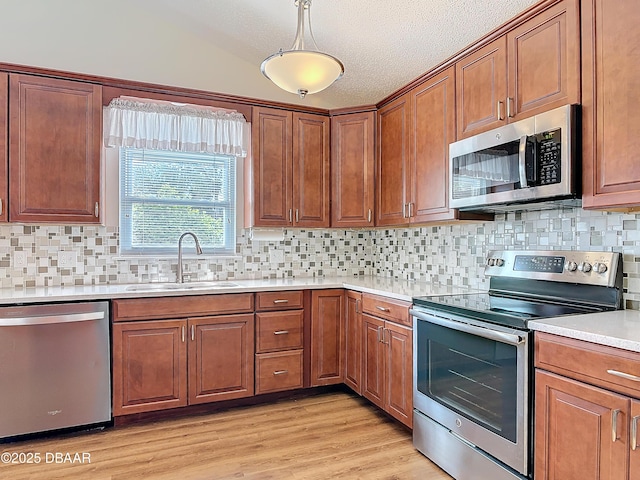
x=491, y=262
x=584, y=267
x=571, y=266
x=499, y=262
x=600, y=267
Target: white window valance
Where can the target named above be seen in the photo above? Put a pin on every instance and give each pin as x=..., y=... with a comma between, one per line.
x=161, y=125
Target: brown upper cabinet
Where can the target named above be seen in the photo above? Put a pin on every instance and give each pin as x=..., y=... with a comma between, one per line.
x=433, y=128
x=533, y=68
x=352, y=167
x=610, y=114
x=54, y=150
x=393, y=146
x=414, y=133
x=290, y=169
x=4, y=145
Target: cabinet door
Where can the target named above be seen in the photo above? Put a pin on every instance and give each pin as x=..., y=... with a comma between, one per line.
x=4, y=146
x=574, y=428
x=272, y=167
x=394, y=136
x=481, y=89
x=149, y=366
x=373, y=360
x=399, y=372
x=434, y=128
x=54, y=147
x=221, y=362
x=353, y=341
x=544, y=61
x=634, y=455
x=327, y=337
x=311, y=157
x=610, y=113
x=352, y=166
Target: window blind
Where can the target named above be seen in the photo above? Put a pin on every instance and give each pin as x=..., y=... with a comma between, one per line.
x=166, y=193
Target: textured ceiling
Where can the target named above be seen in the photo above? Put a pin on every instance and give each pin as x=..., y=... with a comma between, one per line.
x=384, y=44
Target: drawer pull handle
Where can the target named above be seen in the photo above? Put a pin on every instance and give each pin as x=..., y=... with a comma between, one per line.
x=281, y=332
x=383, y=309
x=614, y=425
x=281, y=301
x=624, y=375
x=634, y=432
x=280, y=372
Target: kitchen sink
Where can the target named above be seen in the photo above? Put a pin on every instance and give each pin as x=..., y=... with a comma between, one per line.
x=147, y=287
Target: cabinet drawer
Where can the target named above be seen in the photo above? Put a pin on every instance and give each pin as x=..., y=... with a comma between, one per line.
x=387, y=308
x=278, y=371
x=188, y=306
x=266, y=301
x=279, y=331
x=603, y=366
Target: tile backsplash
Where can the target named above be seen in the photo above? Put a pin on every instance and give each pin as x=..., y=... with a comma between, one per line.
x=446, y=254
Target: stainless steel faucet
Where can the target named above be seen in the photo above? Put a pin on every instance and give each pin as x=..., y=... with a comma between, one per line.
x=179, y=276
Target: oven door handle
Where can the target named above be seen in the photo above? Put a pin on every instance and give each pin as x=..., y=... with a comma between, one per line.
x=508, y=338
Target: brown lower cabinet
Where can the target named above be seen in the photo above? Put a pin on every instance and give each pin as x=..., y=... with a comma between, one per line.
x=327, y=335
x=171, y=352
x=353, y=341
x=587, y=414
x=279, y=341
x=182, y=360
x=387, y=358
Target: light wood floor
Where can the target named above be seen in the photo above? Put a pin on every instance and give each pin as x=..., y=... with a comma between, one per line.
x=336, y=435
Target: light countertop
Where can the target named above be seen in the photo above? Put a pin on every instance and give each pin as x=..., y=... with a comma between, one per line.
x=399, y=289
x=619, y=328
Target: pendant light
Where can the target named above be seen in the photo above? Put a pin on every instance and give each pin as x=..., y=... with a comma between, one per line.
x=299, y=70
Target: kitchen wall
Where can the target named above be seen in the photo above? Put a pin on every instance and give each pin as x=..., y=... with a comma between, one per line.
x=446, y=254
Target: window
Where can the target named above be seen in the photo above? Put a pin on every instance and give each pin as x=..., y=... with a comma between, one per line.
x=165, y=193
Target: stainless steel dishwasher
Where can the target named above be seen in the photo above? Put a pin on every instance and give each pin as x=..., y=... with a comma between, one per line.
x=54, y=367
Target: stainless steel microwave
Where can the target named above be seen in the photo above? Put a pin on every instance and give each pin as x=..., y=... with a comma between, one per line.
x=529, y=163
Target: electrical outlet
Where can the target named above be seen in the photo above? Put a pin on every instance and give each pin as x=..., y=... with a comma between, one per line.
x=66, y=259
x=19, y=259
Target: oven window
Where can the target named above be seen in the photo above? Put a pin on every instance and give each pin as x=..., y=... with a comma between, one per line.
x=474, y=376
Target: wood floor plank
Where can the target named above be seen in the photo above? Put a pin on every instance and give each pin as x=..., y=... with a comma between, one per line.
x=336, y=435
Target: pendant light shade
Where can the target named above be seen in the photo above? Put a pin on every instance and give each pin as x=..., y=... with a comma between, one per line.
x=299, y=70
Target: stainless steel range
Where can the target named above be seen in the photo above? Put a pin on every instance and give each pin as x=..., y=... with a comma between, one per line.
x=473, y=382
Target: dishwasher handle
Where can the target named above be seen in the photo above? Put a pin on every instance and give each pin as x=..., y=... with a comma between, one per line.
x=51, y=319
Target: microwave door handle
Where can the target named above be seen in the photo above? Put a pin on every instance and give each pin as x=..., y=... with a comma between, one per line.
x=522, y=162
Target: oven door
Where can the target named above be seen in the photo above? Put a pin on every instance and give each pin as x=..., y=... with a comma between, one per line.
x=473, y=379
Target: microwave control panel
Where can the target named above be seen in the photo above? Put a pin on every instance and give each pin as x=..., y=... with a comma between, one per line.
x=548, y=157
